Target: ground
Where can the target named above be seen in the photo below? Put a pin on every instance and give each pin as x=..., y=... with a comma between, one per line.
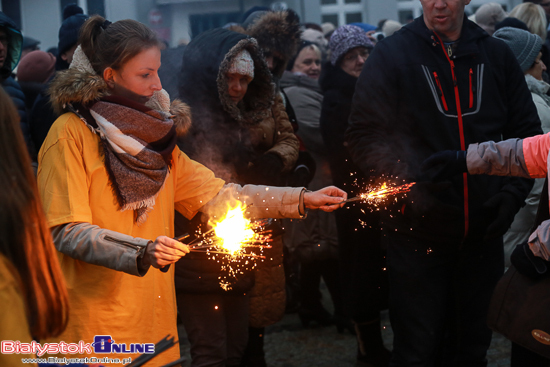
x=288, y=344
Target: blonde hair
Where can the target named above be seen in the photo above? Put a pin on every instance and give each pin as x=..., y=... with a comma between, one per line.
x=25, y=239
x=534, y=16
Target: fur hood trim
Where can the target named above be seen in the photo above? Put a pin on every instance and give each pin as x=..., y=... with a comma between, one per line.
x=181, y=114
x=82, y=87
x=256, y=105
x=75, y=86
x=278, y=33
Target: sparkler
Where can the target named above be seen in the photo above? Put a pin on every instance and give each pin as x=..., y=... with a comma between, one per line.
x=232, y=241
x=377, y=195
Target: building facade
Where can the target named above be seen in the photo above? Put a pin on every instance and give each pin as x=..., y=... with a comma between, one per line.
x=178, y=21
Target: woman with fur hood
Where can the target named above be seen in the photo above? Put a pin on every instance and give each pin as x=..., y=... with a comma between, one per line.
x=240, y=131
x=110, y=176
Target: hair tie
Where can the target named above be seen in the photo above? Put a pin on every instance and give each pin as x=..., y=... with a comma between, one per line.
x=105, y=24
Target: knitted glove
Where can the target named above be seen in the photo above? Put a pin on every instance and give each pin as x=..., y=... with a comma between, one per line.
x=527, y=263
x=443, y=165
x=505, y=205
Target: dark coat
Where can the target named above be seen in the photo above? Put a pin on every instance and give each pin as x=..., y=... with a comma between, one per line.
x=229, y=139
x=404, y=109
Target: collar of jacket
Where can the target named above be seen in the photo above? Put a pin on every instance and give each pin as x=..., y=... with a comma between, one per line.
x=333, y=77
x=290, y=79
x=468, y=41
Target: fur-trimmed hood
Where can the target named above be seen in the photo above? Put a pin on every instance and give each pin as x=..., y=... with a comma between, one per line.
x=77, y=85
x=203, y=80
x=278, y=34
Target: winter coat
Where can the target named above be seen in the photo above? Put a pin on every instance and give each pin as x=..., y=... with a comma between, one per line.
x=414, y=99
x=318, y=230
x=230, y=139
x=523, y=221
x=527, y=157
x=15, y=42
x=338, y=89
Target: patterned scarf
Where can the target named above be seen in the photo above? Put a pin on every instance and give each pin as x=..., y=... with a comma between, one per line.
x=137, y=144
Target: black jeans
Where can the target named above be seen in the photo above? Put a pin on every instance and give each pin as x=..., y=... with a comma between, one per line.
x=439, y=296
x=216, y=326
x=364, y=279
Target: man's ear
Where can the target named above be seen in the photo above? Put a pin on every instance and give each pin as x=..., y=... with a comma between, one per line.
x=109, y=77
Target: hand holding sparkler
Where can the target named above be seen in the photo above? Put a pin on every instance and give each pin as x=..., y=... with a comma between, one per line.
x=327, y=199
x=164, y=251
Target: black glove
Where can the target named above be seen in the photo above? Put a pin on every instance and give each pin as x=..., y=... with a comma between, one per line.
x=444, y=165
x=527, y=263
x=267, y=169
x=303, y=172
x=505, y=206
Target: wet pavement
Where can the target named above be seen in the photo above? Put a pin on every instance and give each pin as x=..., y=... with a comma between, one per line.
x=289, y=344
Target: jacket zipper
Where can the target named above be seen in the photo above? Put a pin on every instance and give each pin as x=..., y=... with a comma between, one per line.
x=471, y=91
x=441, y=95
x=123, y=243
x=461, y=131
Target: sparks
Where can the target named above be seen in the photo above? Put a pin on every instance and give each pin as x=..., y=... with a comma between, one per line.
x=376, y=195
x=235, y=242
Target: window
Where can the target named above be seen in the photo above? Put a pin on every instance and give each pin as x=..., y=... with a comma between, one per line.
x=352, y=1
x=96, y=7
x=330, y=18
x=12, y=8
x=405, y=16
x=204, y=22
x=354, y=18
x=328, y=2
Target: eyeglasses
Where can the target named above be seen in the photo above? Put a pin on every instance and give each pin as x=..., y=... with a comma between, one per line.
x=364, y=53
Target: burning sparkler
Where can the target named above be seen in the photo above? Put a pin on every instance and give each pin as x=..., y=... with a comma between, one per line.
x=377, y=195
x=235, y=242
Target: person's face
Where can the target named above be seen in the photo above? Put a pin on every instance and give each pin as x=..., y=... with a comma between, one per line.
x=353, y=60
x=3, y=47
x=537, y=68
x=445, y=17
x=137, y=79
x=237, y=86
x=308, y=62
x=68, y=55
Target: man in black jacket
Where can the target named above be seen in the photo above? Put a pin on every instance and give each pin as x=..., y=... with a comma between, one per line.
x=441, y=83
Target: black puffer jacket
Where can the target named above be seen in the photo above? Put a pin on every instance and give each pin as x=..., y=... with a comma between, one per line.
x=338, y=89
x=405, y=109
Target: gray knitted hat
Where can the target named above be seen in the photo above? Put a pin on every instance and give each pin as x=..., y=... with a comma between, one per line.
x=525, y=45
x=344, y=38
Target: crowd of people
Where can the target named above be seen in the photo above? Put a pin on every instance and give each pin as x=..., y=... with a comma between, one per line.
x=108, y=175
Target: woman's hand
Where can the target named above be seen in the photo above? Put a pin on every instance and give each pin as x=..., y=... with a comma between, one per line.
x=164, y=251
x=326, y=199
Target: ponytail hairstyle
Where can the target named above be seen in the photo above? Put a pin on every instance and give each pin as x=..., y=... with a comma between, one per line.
x=108, y=44
x=25, y=239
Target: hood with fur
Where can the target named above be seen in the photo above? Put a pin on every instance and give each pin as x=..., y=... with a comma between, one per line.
x=278, y=34
x=80, y=85
x=203, y=81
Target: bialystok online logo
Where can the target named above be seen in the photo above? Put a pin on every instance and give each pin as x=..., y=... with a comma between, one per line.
x=102, y=344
